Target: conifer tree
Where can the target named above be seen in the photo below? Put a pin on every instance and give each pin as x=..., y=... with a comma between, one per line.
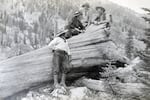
x=147, y=30
x=145, y=56
x=130, y=45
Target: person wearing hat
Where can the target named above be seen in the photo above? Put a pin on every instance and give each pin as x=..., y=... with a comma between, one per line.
x=85, y=14
x=102, y=19
x=61, y=57
x=75, y=26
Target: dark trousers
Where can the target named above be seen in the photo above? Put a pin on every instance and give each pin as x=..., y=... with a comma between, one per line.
x=60, y=62
x=74, y=32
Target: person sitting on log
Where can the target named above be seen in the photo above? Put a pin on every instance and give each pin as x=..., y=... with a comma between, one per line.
x=102, y=19
x=85, y=14
x=75, y=26
x=61, y=57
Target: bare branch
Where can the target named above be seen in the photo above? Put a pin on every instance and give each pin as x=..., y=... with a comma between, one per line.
x=146, y=9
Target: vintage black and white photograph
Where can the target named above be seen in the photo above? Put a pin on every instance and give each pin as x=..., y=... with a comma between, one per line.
x=74, y=49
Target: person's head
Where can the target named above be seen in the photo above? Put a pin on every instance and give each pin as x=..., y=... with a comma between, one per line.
x=100, y=9
x=78, y=15
x=86, y=6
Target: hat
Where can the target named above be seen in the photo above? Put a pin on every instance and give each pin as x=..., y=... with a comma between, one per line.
x=99, y=7
x=77, y=13
x=86, y=5
x=62, y=32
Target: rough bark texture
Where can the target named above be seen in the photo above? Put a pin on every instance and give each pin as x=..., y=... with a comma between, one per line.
x=118, y=88
x=22, y=72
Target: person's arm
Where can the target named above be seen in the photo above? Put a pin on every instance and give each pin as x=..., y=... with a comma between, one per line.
x=81, y=26
x=72, y=23
x=106, y=19
x=70, y=57
x=68, y=48
x=103, y=22
x=94, y=19
x=69, y=52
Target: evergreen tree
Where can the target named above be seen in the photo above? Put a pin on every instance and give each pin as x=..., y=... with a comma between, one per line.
x=147, y=30
x=144, y=73
x=146, y=53
x=130, y=45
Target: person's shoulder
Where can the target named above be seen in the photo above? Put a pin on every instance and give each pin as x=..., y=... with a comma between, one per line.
x=57, y=38
x=95, y=15
x=81, y=10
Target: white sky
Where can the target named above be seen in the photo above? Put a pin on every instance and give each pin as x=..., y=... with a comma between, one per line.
x=135, y=5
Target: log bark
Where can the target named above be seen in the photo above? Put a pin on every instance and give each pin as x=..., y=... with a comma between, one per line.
x=125, y=89
x=88, y=49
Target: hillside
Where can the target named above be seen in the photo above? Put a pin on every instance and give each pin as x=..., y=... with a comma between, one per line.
x=24, y=27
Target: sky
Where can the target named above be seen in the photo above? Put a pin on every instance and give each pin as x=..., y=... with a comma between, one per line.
x=135, y=5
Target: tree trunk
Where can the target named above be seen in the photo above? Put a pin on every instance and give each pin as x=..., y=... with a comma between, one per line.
x=88, y=49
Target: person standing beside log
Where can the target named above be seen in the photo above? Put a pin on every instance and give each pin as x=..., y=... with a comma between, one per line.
x=61, y=57
x=75, y=26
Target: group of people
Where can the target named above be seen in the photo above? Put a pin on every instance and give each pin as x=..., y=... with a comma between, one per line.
x=84, y=18
x=59, y=45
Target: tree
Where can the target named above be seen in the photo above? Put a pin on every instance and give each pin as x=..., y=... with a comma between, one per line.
x=146, y=54
x=144, y=73
x=147, y=30
x=130, y=45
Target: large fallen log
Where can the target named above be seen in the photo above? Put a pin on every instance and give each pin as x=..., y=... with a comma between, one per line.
x=88, y=49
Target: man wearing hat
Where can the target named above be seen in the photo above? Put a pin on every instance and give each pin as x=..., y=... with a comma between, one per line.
x=102, y=19
x=85, y=14
x=75, y=26
x=61, y=57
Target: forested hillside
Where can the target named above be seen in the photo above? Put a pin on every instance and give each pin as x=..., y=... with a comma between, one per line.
x=26, y=25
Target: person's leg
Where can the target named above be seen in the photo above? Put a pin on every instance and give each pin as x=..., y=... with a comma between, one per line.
x=56, y=62
x=56, y=84
x=63, y=79
x=65, y=65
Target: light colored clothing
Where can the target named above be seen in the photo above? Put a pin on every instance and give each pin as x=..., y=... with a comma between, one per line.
x=85, y=16
x=60, y=44
x=100, y=18
x=103, y=19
